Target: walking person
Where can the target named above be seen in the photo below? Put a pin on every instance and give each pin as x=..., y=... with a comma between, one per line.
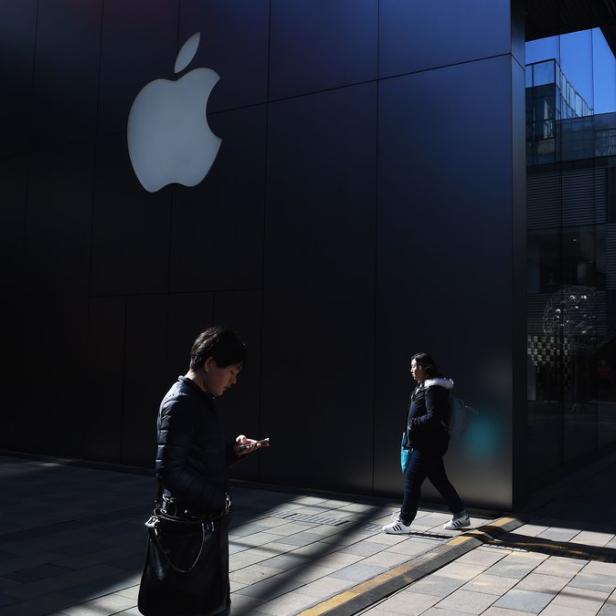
x=187, y=566
x=426, y=437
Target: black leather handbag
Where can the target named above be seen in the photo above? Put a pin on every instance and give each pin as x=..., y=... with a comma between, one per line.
x=186, y=570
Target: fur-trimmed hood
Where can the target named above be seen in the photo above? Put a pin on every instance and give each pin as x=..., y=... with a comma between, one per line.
x=440, y=381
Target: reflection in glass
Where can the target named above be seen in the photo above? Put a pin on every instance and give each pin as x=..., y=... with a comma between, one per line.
x=571, y=319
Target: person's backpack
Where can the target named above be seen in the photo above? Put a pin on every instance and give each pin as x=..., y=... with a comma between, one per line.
x=460, y=416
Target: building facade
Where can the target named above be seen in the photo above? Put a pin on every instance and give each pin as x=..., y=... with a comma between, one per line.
x=367, y=202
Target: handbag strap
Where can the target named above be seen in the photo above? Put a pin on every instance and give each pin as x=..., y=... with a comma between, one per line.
x=205, y=528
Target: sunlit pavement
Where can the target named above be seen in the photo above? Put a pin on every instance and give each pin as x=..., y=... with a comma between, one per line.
x=501, y=582
x=72, y=543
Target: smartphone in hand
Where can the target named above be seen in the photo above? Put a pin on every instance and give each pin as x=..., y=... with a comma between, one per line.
x=258, y=445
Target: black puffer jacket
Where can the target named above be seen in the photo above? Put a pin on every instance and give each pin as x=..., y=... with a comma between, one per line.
x=427, y=422
x=192, y=456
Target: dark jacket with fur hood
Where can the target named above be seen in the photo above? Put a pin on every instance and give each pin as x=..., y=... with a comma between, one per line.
x=427, y=422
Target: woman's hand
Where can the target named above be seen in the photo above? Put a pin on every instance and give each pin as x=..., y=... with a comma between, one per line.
x=243, y=445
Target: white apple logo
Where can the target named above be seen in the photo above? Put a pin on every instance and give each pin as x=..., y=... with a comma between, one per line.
x=169, y=140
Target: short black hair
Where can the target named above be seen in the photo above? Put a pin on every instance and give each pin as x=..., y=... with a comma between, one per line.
x=427, y=363
x=220, y=343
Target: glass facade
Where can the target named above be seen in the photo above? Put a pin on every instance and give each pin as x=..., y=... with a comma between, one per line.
x=571, y=157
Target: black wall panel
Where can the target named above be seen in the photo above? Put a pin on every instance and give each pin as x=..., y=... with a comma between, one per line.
x=360, y=209
x=217, y=240
x=130, y=243
x=15, y=410
x=240, y=407
x=189, y=314
x=416, y=36
x=139, y=44
x=234, y=43
x=445, y=236
x=318, y=44
x=319, y=287
x=17, y=43
x=56, y=399
x=59, y=219
x=13, y=191
x=102, y=438
x=145, y=376
x=66, y=71
x=321, y=191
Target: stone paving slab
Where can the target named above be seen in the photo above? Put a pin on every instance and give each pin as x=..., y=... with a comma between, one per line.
x=515, y=565
x=499, y=611
x=467, y=601
x=594, y=581
x=540, y=582
x=593, y=538
x=358, y=572
x=110, y=604
x=437, y=585
x=290, y=603
x=581, y=598
x=410, y=604
x=325, y=587
x=560, y=610
x=463, y=571
x=437, y=611
x=561, y=566
x=491, y=584
x=525, y=600
x=386, y=559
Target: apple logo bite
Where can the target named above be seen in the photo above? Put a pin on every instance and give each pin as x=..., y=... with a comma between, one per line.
x=169, y=140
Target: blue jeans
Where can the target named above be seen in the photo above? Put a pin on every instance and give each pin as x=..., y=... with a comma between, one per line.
x=420, y=466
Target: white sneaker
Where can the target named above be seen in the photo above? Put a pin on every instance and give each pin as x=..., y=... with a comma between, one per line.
x=397, y=527
x=459, y=522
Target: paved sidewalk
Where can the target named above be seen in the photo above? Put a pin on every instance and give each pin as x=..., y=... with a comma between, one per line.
x=502, y=582
x=72, y=543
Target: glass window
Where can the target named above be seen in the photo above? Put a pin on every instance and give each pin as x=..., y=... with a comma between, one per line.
x=604, y=74
x=571, y=272
x=542, y=49
x=576, y=62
